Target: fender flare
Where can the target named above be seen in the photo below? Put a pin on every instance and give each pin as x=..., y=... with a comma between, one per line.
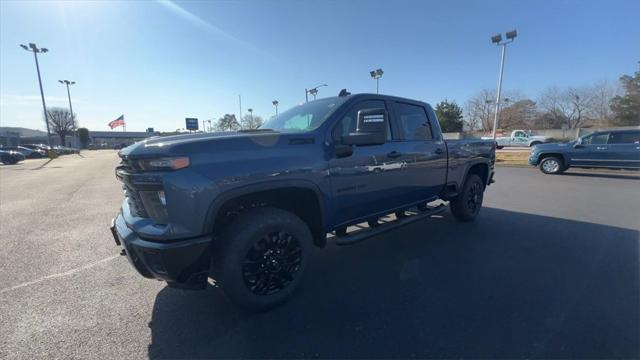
x=230, y=194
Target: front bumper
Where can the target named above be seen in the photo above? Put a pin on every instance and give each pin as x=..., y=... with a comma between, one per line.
x=533, y=160
x=182, y=264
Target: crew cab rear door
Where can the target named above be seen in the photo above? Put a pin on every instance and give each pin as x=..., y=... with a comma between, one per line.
x=422, y=152
x=624, y=149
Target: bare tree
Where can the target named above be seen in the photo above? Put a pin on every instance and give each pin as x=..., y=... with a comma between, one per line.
x=228, y=123
x=251, y=121
x=520, y=114
x=601, y=94
x=479, y=110
x=61, y=122
x=569, y=106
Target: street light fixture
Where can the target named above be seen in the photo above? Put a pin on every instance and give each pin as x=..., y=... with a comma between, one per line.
x=275, y=103
x=497, y=39
x=312, y=91
x=377, y=74
x=35, y=50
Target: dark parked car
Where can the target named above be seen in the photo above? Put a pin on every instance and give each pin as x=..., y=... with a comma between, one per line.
x=27, y=152
x=10, y=157
x=616, y=149
x=247, y=207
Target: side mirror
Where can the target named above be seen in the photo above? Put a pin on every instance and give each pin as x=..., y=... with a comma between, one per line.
x=371, y=128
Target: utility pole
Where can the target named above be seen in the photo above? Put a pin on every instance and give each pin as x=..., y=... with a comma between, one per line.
x=35, y=50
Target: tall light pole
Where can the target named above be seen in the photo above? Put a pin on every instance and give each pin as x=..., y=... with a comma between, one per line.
x=312, y=91
x=275, y=103
x=497, y=39
x=240, y=104
x=35, y=50
x=377, y=74
x=67, y=82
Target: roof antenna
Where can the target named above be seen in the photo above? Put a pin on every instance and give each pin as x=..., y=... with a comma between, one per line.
x=343, y=93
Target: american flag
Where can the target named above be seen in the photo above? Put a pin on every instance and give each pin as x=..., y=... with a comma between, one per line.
x=117, y=122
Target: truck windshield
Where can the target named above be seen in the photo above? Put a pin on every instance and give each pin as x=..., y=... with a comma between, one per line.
x=304, y=117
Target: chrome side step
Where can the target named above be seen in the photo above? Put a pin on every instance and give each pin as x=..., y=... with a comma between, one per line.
x=364, y=233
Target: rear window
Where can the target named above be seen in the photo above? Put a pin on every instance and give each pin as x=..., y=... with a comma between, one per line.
x=631, y=137
x=413, y=122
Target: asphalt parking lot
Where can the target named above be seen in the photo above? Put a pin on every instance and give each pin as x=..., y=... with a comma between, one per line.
x=550, y=269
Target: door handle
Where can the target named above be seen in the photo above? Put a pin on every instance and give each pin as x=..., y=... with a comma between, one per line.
x=394, y=154
x=439, y=151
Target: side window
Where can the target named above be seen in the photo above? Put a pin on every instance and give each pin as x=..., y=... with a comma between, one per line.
x=596, y=139
x=520, y=134
x=349, y=121
x=632, y=137
x=413, y=122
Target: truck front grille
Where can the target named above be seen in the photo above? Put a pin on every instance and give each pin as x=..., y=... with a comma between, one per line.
x=135, y=203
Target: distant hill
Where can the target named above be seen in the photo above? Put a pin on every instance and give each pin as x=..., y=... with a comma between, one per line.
x=24, y=132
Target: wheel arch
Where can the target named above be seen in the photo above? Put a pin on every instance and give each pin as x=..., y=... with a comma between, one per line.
x=479, y=168
x=542, y=156
x=299, y=197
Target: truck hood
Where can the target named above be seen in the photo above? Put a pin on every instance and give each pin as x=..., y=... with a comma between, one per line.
x=178, y=144
x=553, y=146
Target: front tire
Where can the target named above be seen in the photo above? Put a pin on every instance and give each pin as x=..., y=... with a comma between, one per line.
x=466, y=206
x=261, y=258
x=552, y=165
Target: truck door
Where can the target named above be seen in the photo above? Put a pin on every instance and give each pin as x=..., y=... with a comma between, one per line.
x=422, y=153
x=364, y=182
x=592, y=152
x=520, y=138
x=624, y=149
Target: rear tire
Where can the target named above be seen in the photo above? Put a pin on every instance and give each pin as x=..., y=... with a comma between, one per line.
x=467, y=205
x=552, y=165
x=262, y=257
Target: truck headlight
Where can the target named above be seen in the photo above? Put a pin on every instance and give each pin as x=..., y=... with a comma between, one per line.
x=167, y=163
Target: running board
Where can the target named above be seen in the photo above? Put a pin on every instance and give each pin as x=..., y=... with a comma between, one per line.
x=365, y=233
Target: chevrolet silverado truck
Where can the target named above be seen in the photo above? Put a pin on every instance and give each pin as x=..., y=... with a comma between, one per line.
x=247, y=208
x=614, y=149
x=519, y=138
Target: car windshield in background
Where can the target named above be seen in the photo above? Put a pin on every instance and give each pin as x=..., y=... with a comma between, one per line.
x=304, y=117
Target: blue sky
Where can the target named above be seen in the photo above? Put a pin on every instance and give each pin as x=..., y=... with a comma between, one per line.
x=158, y=62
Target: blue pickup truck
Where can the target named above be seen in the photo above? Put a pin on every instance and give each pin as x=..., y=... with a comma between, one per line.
x=246, y=208
x=613, y=149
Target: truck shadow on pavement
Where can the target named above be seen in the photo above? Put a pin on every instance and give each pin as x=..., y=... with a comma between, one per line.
x=625, y=176
x=510, y=285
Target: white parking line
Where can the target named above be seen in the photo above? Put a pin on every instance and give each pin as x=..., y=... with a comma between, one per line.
x=66, y=273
